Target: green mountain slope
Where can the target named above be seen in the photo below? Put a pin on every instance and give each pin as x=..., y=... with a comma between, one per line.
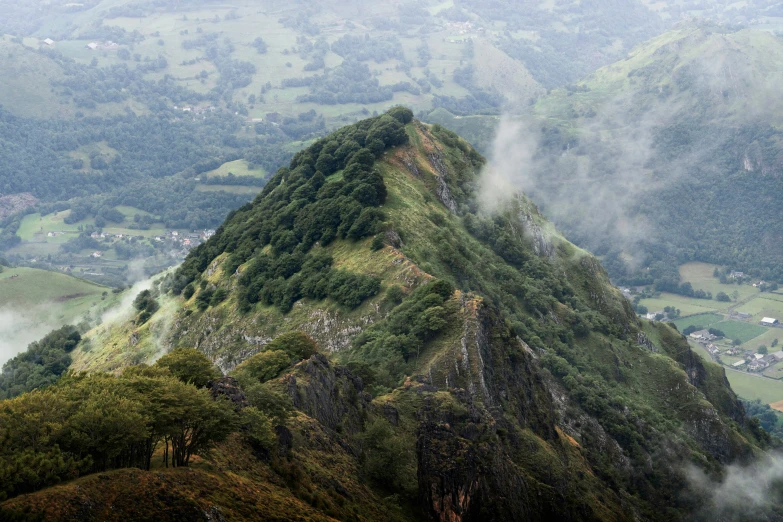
x=472, y=366
x=668, y=156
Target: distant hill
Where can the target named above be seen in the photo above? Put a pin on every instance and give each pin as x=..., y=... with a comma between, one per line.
x=460, y=350
x=668, y=156
x=127, y=103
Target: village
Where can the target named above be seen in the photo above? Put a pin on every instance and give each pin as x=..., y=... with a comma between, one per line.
x=105, y=255
x=718, y=347
x=179, y=243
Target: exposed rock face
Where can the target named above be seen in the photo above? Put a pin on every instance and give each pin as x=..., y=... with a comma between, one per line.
x=228, y=387
x=443, y=192
x=542, y=246
x=329, y=394
x=465, y=472
x=642, y=340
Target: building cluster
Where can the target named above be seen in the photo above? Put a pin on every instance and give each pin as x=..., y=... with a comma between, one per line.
x=103, y=46
x=757, y=362
x=195, y=110
x=703, y=336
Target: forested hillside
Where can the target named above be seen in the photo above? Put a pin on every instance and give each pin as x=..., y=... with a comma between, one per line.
x=377, y=321
x=669, y=156
x=161, y=116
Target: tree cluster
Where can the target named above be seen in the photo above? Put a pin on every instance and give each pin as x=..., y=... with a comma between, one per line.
x=303, y=205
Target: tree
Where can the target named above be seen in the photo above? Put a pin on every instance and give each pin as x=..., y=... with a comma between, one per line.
x=262, y=367
x=762, y=350
x=298, y=345
x=190, y=366
x=199, y=423
x=736, y=342
x=690, y=329
x=723, y=297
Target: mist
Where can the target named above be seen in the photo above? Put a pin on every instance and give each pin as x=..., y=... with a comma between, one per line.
x=19, y=329
x=744, y=493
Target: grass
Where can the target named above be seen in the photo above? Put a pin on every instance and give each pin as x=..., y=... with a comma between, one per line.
x=699, y=275
x=766, y=339
x=704, y=320
x=232, y=189
x=38, y=301
x=764, y=305
x=753, y=386
x=237, y=168
x=35, y=227
x=739, y=330
x=687, y=305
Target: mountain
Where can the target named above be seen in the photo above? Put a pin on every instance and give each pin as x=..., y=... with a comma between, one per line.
x=669, y=156
x=407, y=353
x=147, y=117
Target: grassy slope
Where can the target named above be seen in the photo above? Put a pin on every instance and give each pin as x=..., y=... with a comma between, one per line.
x=39, y=301
x=66, y=297
x=237, y=168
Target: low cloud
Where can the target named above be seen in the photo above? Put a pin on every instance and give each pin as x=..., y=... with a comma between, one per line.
x=19, y=329
x=745, y=493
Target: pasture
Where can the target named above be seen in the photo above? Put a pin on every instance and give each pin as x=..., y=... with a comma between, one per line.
x=65, y=296
x=687, y=305
x=704, y=320
x=699, y=275
x=739, y=330
x=763, y=305
x=232, y=189
x=753, y=386
x=237, y=168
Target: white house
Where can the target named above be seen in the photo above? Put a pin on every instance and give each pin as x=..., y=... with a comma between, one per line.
x=769, y=321
x=738, y=364
x=49, y=42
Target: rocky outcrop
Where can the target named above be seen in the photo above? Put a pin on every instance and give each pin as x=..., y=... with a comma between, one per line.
x=542, y=245
x=228, y=387
x=330, y=394
x=443, y=192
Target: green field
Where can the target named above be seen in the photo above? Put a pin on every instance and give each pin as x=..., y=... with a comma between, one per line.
x=766, y=339
x=687, y=305
x=699, y=275
x=34, y=227
x=38, y=301
x=752, y=386
x=69, y=296
x=703, y=320
x=739, y=330
x=764, y=305
x=233, y=189
x=237, y=168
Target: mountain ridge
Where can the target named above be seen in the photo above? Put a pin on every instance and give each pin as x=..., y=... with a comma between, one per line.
x=477, y=366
